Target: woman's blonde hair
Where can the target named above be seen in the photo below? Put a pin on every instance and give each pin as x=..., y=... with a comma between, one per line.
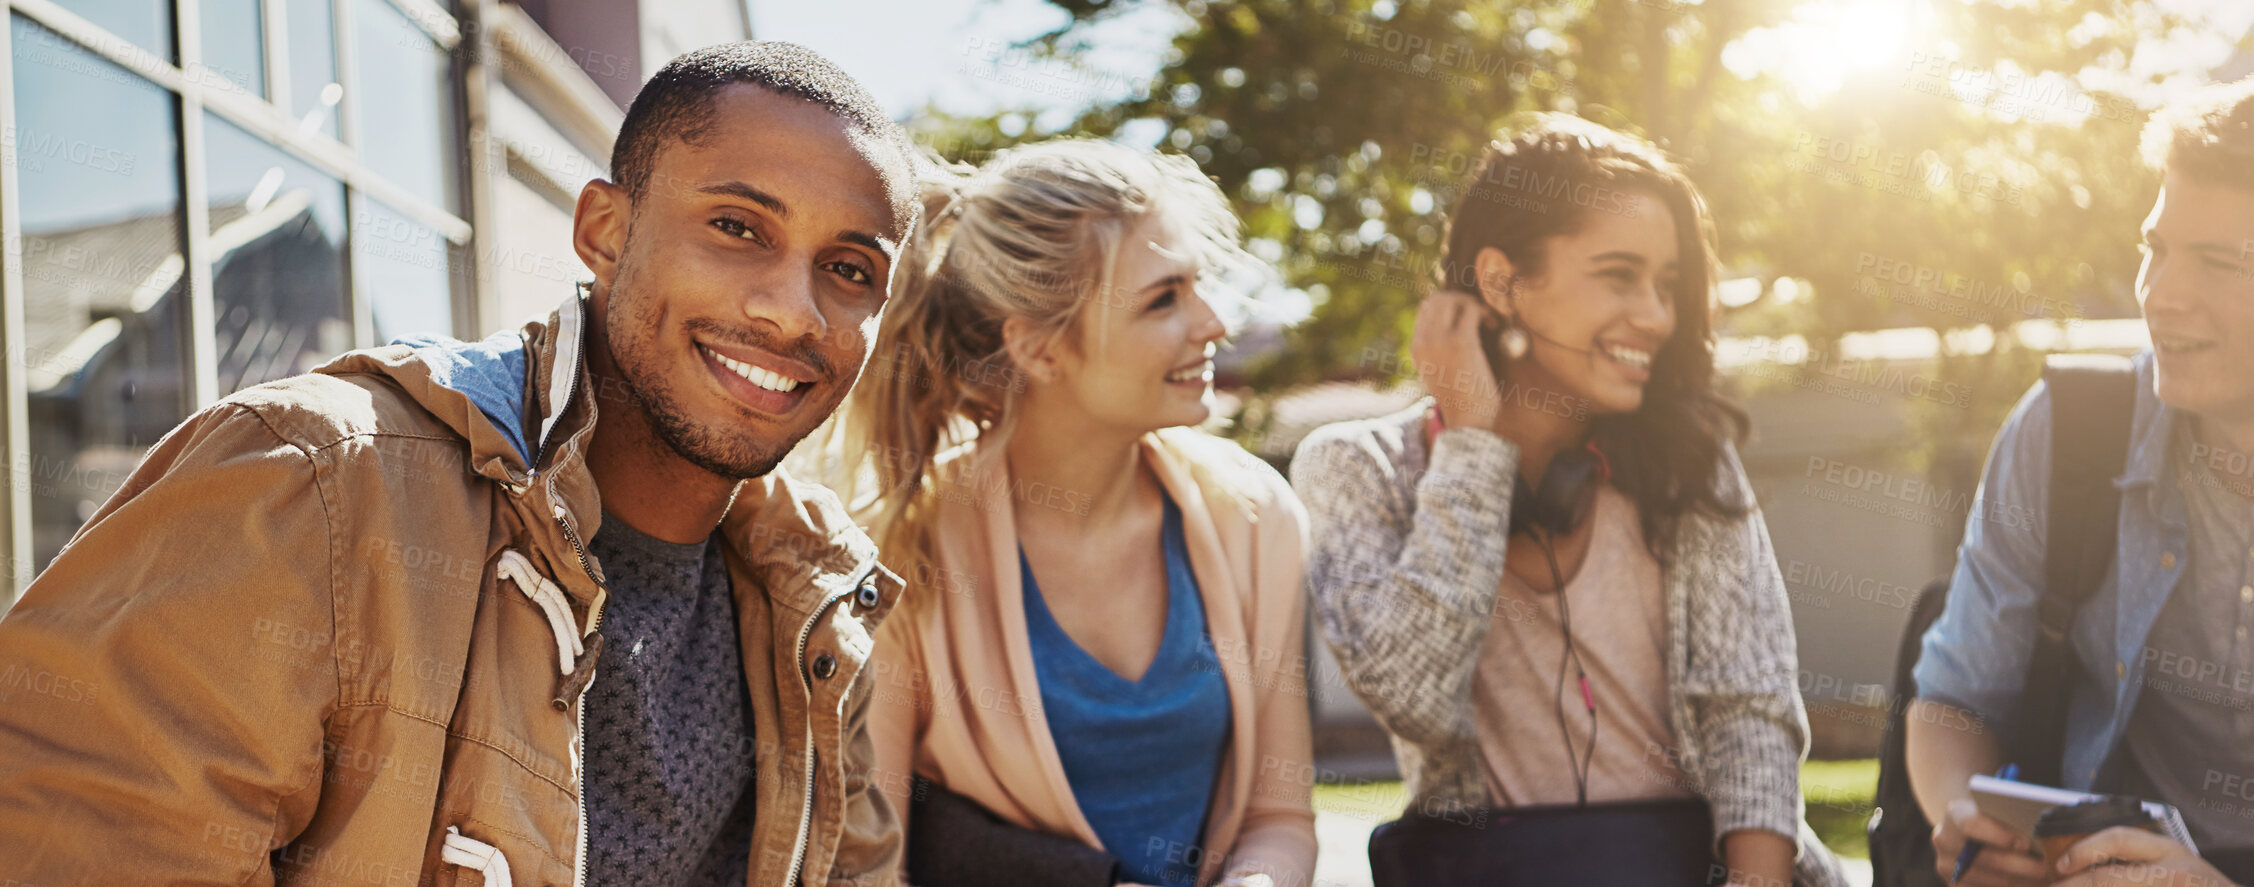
x=1033, y=234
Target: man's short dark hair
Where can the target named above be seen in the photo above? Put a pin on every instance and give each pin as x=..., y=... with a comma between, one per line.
x=676, y=105
x=2208, y=135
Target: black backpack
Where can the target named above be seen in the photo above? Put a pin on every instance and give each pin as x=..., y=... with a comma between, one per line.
x=2093, y=403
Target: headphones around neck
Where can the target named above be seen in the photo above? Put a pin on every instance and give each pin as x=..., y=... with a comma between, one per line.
x=1559, y=504
x=1554, y=508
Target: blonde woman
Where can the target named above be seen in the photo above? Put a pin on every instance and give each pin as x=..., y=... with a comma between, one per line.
x=1105, y=645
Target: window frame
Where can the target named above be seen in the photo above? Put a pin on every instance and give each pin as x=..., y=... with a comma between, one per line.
x=264, y=118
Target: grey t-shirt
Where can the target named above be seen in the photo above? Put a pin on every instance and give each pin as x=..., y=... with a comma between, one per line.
x=668, y=732
x=2190, y=741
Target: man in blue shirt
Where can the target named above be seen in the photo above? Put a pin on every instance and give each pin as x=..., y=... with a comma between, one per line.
x=2163, y=698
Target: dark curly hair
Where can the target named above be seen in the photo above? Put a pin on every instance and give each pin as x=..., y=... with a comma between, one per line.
x=1541, y=179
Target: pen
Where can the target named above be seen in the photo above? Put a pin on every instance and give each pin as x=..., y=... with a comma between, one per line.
x=1971, y=849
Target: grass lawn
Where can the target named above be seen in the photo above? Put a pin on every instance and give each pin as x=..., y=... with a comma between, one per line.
x=1838, y=795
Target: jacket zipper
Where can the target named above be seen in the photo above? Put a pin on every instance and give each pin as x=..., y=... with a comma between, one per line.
x=806, y=810
x=594, y=616
x=579, y=702
x=579, y=732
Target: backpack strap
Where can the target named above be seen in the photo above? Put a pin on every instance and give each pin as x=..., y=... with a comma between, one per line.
x=2093, y=403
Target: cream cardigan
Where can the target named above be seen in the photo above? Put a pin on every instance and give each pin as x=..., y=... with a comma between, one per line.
x=955, y=693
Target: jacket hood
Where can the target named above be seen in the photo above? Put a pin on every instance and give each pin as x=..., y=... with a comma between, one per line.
x=489, y=372
x=485, y=390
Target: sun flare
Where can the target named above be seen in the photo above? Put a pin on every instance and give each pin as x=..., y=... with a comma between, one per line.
x=1825, y=42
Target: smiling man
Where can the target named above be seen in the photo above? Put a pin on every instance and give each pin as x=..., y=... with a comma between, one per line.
x=541, y=606
x=2163, y=677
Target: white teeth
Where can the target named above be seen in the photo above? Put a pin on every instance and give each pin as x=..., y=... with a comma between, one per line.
x=1203, y=370
x=1629, y=356
x=763, y=378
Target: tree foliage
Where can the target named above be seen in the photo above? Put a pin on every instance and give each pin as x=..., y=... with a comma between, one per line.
x=1982, y=171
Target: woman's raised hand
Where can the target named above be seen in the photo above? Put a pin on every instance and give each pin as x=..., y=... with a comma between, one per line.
x=1451, y=363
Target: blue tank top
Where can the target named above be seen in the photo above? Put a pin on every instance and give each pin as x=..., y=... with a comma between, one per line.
x=1141, y=755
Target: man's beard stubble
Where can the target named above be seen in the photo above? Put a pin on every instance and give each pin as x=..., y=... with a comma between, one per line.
x=698, y=443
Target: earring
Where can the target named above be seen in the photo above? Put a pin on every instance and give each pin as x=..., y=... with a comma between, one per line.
x=1514, y=342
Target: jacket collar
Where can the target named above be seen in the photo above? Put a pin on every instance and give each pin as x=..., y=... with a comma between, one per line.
x=518, y=398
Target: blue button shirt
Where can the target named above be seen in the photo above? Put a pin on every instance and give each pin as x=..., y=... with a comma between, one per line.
x=1976, y=654
x=1141, y=755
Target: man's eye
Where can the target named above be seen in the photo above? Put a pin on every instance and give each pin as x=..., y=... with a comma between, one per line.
x=1164, y=300
x=735, y=228
x=852, y=272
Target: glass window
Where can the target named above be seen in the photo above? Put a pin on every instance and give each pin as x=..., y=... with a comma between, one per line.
x=104, y=290
x=233, y=47
x=404, y=111
x=144, y=23
x=277, y=273
x=314, y=91
x=406, y=270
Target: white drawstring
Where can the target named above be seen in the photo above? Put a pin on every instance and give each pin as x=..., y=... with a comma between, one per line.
x=552, y=601
x=471, y=853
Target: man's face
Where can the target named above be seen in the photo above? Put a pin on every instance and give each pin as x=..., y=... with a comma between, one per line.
x=749, y=278
x=2197, y=288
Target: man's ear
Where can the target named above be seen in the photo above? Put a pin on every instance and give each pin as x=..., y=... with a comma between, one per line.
x=598, y=229
x=1031, y=348
x=1495, y=273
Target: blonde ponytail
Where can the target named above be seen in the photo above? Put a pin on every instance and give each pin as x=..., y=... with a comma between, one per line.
x=1032, y=235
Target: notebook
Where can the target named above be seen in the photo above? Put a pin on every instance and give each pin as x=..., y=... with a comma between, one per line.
x=2020, y=804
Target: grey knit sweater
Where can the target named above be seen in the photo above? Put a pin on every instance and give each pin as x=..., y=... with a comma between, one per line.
x=1406, y=562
